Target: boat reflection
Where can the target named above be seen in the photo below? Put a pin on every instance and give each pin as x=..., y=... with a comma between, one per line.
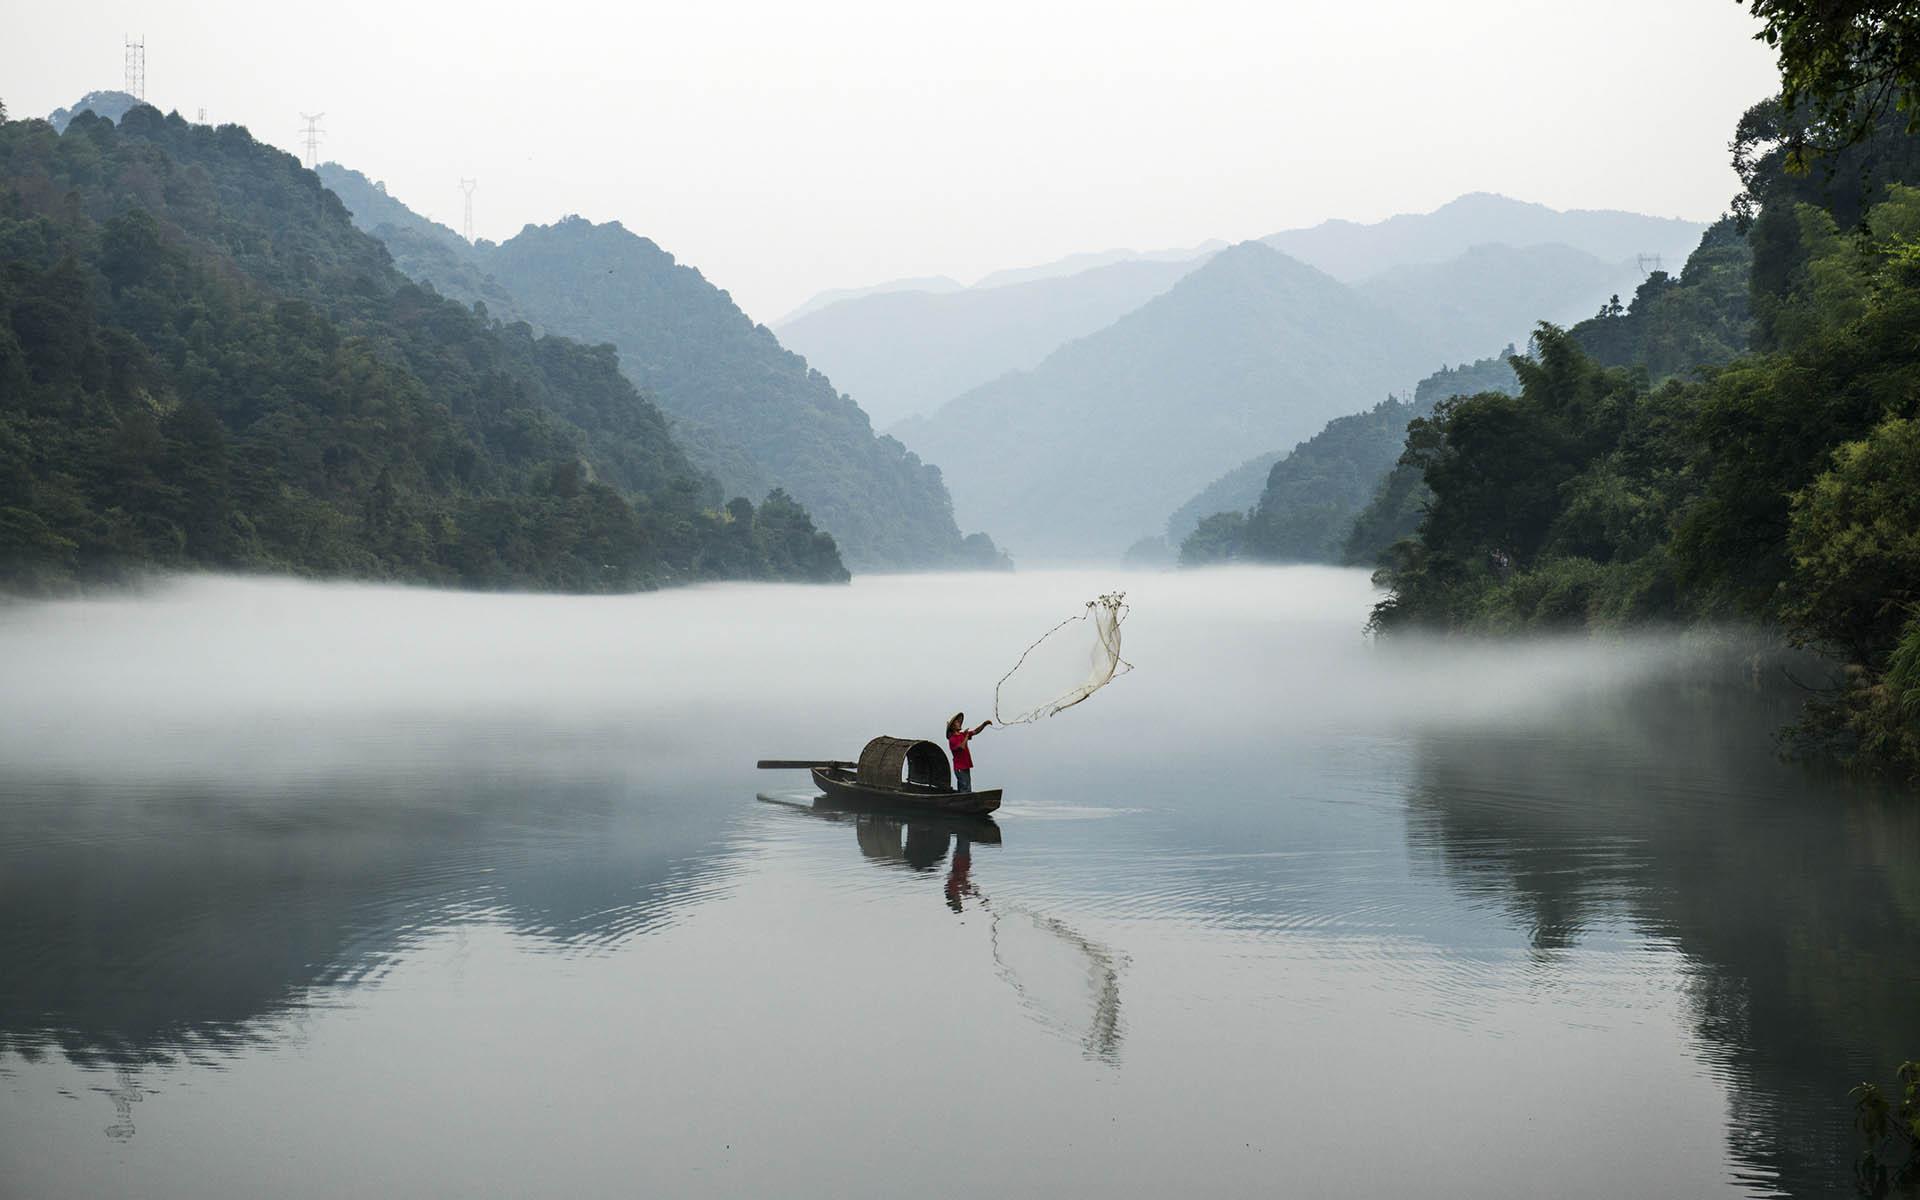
x=1063, y=979
x=918, y=842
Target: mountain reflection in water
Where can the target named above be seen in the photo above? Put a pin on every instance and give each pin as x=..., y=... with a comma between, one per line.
x=325, y=890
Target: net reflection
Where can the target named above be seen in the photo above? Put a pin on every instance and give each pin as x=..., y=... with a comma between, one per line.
x=1064, y=980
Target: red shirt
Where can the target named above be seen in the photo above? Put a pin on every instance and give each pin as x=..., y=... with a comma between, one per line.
x=962, y=757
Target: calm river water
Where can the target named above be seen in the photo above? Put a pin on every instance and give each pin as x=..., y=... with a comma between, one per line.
x=317, y=891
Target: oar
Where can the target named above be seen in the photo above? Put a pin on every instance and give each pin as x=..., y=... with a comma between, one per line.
x=781, y=764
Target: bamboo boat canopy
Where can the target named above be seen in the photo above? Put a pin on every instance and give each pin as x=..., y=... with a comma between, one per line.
x=886, y=760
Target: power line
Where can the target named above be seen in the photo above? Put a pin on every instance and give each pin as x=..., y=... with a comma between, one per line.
x=312, y=133
x=137, y=67
x=467, y=227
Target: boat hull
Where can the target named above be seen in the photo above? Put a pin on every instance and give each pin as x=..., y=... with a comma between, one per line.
x=843, y=786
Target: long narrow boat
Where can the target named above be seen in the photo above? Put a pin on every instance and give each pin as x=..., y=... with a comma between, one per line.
x=894, y=773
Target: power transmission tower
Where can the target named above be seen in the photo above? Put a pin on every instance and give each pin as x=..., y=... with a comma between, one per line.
x=312, y=133
x=137, y=67
x=1649, y=263
x=203, y=114
x=467, y=186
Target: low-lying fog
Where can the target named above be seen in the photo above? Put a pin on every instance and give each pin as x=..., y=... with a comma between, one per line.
x=260, y=677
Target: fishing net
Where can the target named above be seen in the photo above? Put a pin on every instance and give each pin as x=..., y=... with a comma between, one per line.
x=1065, y=981
x=1070, y=662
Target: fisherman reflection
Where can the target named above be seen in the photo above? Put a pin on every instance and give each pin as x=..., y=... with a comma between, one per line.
x=922, y=846
x=960, y=875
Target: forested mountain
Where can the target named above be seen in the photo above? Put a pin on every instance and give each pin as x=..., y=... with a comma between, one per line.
x=1350, y=251
x=1399, y=501
x=1112, y=432
x=903, y=354
x=1779, y=485
x=203, y=363
x=1236, y=491
x=749, y=411
x=1495, y=294
x=1678, y=324
x=1311, y=497
x=425, y=251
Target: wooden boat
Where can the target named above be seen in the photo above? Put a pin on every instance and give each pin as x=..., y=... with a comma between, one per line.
x=903, y=774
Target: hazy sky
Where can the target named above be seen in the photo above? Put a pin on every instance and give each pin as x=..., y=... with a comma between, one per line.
x=787, y=147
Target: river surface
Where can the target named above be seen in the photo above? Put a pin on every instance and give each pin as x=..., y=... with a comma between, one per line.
x=327, y=890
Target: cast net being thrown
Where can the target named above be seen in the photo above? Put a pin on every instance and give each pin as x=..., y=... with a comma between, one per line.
x=1070, y=662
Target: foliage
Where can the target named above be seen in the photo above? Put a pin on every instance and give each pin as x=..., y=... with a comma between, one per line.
x=1779, y=486
x=1313, y=494
x=1217, y=539
x=1891, y=1162
x=1308, y=509
x=1846, y=62
x=1769, y=425
x=1676, y=325
x=1400, y=499
x=203, y=364
x=1854, y=537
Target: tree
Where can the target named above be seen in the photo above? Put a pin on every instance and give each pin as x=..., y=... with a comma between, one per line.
x=1846, y=63
x=1215, y=540
x=1855, y=538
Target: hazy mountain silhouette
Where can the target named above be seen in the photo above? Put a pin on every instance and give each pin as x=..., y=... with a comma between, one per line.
x=1115, y=430
x=935, y=284
x=1495, y=294
x=902, y=354
x=1351, y=251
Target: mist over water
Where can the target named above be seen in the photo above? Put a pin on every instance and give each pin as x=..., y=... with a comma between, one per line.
x=287, y=867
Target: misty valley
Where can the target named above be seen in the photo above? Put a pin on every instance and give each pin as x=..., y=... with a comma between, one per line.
x=762, y=660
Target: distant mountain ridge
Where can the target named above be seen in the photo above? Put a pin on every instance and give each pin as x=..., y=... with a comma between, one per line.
x=1113, y=431
x=903, y=354
x=1475, y=272
x=935, y=284
x=1350, y=251
x=1496, y=293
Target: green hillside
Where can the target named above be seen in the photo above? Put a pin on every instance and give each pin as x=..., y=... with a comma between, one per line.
x=1317, y=499
x=203, y=363
x=750, y=412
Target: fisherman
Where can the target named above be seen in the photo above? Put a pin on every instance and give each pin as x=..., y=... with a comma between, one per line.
x=957, y=739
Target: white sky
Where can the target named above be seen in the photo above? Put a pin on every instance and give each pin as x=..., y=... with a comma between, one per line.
x=788, y=147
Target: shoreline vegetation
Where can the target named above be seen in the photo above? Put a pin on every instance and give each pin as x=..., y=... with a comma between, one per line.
x=1738, y=443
